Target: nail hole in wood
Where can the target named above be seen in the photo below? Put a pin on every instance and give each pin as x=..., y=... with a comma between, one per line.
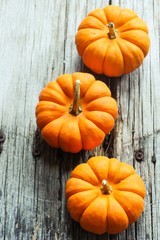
x=139, y=155
x=2, y=137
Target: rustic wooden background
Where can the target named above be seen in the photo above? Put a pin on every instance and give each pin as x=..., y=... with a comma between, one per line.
x=37, y=45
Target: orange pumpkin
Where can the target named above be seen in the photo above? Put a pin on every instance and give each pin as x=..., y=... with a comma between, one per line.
x=105, y=195
x=112, y=41
x=75, y=112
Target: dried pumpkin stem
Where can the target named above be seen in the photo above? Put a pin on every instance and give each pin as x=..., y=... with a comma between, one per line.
x=106, y=189
x=112, y=31
x=75, y=108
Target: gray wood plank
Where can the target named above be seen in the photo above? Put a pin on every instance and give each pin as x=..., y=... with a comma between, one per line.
x=138, y=125
x=37, y=45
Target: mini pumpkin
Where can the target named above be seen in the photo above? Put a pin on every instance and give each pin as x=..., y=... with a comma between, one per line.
x=75, y=112
x=105, y=195
x=112, y=41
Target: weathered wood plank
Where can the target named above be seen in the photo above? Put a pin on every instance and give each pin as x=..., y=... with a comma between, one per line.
x=37, y=45
x=138, y=125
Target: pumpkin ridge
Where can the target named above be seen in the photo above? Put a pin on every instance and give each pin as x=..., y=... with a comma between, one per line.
x=101, y=19
x=93, y=181
x=125, y=190
x=109, y=169
x=75, y=143
x=71, y=92
x=44, y=125
x=45, y=134
x=98, y=177
x=92, y=40
x=133, y=189
x=115, y=187
x=143, y=28
x=130, y=29
x=132, y=41
x=96, y=129
x=98, y=123
x=121, y=204
x=119, y=16
x=122, y=51
x=120, y=25
x=58, y=137
x=41, y=107
x=95, y=40
x=98, y=196
x=90, y=186
x=97, y=57
x=125, y=206
x=54, y=120
x=106, y=56
x=108, y=217
x=100, y=165
x=50, y=95
x=53, y=86
x=107, y=15
x=133, y=44
x=107, y=20
x=88, y=206
x=121, y=55
x=90, y=106
x=119, y=177
x=99, y=90
x=91, y=25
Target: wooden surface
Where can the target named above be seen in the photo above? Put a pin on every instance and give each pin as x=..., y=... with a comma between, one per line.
x=37, y=45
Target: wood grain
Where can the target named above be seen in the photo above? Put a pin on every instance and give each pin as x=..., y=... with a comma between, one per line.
x=36, y=45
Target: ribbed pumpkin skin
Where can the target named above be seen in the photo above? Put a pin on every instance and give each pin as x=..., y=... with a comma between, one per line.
x=99, y=212
x=118, y=56
x=60, y=128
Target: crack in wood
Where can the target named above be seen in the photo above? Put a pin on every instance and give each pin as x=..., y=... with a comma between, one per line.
x=36, y=147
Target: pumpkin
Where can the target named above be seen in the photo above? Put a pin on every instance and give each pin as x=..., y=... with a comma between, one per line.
x=75, y=112
x=105, y=195
x=112, y=41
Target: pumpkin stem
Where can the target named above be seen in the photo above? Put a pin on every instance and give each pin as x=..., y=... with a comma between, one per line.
x=106, y=189
x=112, y=31
x=75, y=108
